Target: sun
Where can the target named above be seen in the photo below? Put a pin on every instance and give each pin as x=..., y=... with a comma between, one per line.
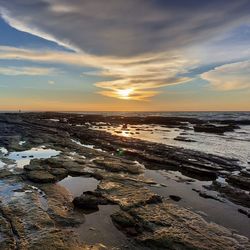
x=124, y=93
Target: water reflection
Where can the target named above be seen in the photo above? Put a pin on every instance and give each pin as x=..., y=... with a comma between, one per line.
x=223, y=213
x=77, y=185
x=231, y=144
x=99, y=228
x=23, y=158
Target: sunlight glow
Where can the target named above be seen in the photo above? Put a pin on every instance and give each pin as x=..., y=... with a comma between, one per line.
x=124, y=93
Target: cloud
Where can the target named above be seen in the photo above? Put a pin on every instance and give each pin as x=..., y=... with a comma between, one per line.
x=138, y=95
x=21, y=26
x=142, y=74
x=125, y=28
x=135, y=46
x=233, y=76
x=28, y=71
x=139, y=87
x=51, y=82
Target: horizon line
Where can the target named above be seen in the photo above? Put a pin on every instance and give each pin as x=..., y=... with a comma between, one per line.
x=89, y=111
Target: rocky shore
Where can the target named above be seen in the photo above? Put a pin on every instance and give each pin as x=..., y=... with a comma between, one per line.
x=36, y=212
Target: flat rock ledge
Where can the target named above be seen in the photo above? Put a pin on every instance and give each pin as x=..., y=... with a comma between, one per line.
x=127, y=195
x=168, y=226
x=40, y=176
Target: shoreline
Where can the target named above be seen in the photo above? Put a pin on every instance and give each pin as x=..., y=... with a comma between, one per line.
x=119, y=165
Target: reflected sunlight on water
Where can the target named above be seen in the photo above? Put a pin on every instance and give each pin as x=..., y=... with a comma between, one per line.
x=231, y=144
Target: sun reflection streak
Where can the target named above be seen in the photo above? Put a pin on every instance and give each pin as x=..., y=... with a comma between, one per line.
x=125, y=134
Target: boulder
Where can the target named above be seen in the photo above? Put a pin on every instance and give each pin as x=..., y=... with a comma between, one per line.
x=86, y=201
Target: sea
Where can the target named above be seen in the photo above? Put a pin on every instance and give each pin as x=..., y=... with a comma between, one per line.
x=234, y=145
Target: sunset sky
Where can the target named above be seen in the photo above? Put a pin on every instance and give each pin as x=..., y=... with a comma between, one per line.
x=117, y=55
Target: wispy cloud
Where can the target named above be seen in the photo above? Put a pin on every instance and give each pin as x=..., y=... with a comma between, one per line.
x=21, y=25
x=142, y=74
x=231, y=76
x=28, y=71
x=135, y=46
x=124, y=28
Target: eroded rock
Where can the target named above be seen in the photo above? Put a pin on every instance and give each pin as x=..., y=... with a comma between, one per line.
x=175, y=197
x=119, y=165
x=144, y=217
x=41, y=176
x=31, y=225
x=210, y=128
x=86, y=201
x=240, y=181
x=90, y=200
x=4, y=173
x=167, y=226
x=235, y=195
x=208, y=195
x=127, y=195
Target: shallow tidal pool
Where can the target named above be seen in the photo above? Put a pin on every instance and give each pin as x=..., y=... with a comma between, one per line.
x=23, y=158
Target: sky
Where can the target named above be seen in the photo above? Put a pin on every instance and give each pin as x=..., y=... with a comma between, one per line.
x=133, y=55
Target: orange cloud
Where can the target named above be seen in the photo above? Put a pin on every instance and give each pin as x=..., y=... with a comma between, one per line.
x=143, y=74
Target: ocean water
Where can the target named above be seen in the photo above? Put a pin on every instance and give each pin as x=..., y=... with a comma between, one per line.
x=231, y=144
x=234, y=145
x=203, y=115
